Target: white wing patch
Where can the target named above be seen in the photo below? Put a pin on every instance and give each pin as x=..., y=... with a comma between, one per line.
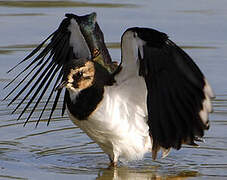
x=77, y=41
x=207, y=106
x=207, y=89
x=165, y=152
x=140, y=44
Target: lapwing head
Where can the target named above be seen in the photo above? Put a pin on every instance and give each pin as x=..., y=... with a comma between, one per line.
x=82, y=73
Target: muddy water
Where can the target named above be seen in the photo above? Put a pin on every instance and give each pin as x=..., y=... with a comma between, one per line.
x=63, y=151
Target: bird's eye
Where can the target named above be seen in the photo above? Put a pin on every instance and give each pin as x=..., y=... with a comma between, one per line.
x=79, y=74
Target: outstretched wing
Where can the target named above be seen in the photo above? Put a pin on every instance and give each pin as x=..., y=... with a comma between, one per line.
x=46, y=65
x=178, y=95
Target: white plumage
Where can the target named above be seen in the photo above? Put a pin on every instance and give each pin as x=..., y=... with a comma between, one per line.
x=118, y=124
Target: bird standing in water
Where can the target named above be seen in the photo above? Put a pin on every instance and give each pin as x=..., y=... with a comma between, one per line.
x=156, y=98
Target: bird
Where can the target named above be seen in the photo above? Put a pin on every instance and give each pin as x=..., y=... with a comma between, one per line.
x=156, y=98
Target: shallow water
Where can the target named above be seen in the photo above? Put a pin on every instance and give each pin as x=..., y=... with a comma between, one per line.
x=63, y=151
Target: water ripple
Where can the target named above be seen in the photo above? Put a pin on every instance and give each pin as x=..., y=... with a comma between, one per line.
x=61, y=4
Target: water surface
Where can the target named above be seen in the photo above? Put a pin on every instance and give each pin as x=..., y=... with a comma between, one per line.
x=63, y=151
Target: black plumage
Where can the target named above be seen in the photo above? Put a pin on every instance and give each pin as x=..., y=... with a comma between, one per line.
x=89, y=98
x=50, y=63
x=175, y=90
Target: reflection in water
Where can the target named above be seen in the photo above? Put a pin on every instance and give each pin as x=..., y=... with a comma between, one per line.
x=200, y=11
x=54, y=4
x=5, y=51
x=124, y=173
x=12, y=177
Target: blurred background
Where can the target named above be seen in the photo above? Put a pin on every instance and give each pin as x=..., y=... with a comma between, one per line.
x=61, y=150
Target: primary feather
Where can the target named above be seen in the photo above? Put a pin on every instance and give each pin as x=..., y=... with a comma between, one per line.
x=70, y=41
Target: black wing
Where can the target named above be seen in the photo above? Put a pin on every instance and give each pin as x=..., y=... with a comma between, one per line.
x=178, y=95
x=47, y=68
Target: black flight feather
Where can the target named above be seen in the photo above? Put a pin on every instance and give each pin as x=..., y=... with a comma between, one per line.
x=49, y=62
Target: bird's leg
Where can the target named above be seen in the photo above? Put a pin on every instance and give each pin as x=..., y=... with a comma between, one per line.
x=113, y=161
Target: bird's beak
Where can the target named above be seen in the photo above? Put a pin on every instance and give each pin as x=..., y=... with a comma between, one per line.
x=61, y=85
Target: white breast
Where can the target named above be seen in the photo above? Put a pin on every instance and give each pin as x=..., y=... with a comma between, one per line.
x=119, y=123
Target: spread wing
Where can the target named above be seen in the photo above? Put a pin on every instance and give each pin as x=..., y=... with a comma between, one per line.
x=178, y=95
x=45, y=67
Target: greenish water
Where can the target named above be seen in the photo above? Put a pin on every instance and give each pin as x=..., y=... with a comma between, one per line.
x=63, y=151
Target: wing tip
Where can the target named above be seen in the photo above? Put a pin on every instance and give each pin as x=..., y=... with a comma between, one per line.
x=11, y=69
x=155, y=150
x=165, y=152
